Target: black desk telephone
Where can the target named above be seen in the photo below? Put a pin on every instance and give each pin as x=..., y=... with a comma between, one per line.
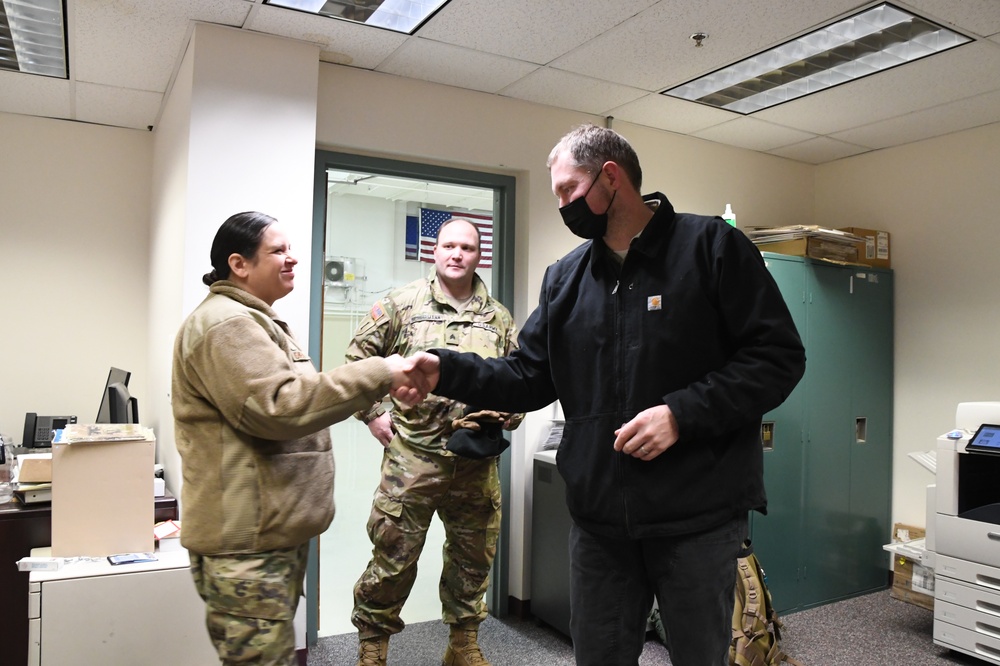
x=38, y=429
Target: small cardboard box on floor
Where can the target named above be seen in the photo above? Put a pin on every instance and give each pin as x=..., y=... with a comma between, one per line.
x=102, y=495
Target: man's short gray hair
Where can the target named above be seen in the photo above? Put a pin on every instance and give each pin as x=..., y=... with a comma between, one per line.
x=590, y=146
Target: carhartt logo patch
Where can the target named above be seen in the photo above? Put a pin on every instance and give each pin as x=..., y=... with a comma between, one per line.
x=654, y=303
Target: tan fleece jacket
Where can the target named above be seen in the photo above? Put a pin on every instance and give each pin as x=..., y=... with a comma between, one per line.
x=251, y=415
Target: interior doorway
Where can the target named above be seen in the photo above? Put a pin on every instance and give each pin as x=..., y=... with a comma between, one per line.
x=370, y=213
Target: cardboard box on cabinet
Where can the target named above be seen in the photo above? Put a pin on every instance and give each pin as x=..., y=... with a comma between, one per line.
x=875, y=250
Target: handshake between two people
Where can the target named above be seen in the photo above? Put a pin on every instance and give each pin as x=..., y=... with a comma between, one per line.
x=413, y=377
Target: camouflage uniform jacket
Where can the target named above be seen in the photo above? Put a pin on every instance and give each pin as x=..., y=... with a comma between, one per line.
x=250, y=421
x=418, y=317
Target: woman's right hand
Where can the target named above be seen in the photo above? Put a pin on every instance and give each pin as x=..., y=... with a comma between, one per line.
x=410, y=385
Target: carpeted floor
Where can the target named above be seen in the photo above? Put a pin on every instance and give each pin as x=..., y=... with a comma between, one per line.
x=871, y=630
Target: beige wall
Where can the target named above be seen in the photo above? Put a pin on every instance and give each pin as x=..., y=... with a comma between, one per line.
x=939, y=201
x=74, y=232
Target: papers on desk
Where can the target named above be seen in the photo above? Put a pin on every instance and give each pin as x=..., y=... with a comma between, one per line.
x=31, y=478
x=77, y=433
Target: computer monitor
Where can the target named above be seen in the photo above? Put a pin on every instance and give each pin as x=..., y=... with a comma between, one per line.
x=117, y=405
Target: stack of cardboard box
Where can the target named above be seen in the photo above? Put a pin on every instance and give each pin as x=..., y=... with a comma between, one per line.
x=911, y=581
x=848, y=245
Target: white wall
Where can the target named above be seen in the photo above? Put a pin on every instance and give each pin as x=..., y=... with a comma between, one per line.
x=938, y=199
x=237, y=134
x=74, y=202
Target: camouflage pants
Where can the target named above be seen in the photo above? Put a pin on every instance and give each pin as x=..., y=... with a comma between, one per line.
x=465, y=493
x=250, y=603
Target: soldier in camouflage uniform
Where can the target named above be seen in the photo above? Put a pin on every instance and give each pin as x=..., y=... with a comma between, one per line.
x=451, y=309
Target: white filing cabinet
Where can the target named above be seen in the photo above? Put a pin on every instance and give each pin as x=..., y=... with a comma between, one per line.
x=95, y=613
x=967, y=540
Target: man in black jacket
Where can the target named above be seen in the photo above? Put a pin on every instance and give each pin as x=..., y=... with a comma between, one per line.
x=665, y=339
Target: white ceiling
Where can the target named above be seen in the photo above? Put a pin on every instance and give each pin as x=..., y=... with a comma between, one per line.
x=595, y=56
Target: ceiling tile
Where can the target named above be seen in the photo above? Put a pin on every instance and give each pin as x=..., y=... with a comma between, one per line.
x=136, y=45
x=963, y=114
x=980, y=17
x=454, y=66
x=660, y=51
x=571, y=91
x=527, y=29
x=671, y=114
x=341, y=42
x=32, y=95
x=753, y=134
x=819, y=150
x=904, y=89
x=120, y=107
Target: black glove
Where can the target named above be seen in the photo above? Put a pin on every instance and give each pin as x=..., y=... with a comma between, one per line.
x=478, y=435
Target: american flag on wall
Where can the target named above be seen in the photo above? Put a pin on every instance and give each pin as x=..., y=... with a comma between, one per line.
x=431, y=221
x=412, y=250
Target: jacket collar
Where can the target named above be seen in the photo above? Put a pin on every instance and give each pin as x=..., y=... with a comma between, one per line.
x=650, y=240
x=480, y=296
x=231, y=290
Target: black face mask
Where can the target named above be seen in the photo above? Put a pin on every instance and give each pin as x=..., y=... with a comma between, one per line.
x=584, y=222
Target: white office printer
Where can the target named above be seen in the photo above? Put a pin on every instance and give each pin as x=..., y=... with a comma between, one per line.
x=966, y=533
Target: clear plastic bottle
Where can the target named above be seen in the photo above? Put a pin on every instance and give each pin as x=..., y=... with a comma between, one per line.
x=729, y=216
x=6, y=462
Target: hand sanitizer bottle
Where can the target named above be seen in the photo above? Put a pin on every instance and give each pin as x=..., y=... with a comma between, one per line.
x=729, y=216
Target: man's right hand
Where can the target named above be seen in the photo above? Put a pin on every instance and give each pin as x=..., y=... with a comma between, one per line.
x=381, y=429
x=409, y=385
x=428, y=366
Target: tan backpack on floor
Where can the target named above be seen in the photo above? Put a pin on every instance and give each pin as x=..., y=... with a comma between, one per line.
x=756, y=627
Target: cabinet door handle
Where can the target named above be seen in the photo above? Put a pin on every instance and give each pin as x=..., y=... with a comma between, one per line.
x=995, y=536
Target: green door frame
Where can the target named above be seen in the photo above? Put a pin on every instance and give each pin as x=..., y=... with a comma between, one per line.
x=503, y=289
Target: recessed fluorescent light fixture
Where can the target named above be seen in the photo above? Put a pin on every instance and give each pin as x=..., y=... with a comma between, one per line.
x=872, y=41
x=33, y=37
x=399, y=15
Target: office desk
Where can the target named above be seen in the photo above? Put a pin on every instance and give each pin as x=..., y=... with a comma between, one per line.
x=23, y=527
x=92, y=612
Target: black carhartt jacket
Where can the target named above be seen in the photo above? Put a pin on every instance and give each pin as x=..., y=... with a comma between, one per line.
x=693, y=319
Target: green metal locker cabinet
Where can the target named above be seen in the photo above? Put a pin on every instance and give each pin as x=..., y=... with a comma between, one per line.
x=828, y=470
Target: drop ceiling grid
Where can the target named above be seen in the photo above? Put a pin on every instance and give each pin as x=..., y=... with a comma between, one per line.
x=895, y=92
x=119, y=107
x=819, y=150
x=944, y=119
x=671, y=114
x=454, y=65
x=754, y=134
x=654, y=51
x=138, y=49
x=34, y=95
x=980, y=17
x=571, y=91
x=527, y=29
x=366, y=46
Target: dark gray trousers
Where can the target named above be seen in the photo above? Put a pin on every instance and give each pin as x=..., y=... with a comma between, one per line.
x=613, y=583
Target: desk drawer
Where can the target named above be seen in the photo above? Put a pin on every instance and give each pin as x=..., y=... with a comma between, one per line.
x=968, y=539
x=977, y=575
